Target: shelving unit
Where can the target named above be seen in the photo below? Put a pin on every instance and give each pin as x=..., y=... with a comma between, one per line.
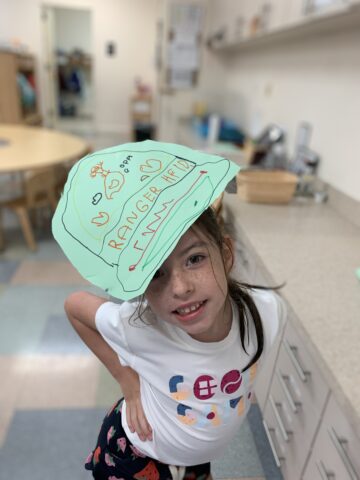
x=317, y=23
x=13, y=109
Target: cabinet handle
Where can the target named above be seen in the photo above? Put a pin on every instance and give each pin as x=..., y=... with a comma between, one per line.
x=282, y=428
x=293, y=404
x=324, y=474
x=291, y=349
x=339, y=445
x=272, y=446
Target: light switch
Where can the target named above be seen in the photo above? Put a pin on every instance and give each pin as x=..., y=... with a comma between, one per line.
x=110, y=49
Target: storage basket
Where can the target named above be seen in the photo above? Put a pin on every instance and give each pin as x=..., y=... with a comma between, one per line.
x=262, y=186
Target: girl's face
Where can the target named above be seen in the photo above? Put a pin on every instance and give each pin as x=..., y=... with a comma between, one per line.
x=190, y=288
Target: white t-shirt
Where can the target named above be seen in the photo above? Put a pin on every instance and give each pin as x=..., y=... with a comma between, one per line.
x=193, y=393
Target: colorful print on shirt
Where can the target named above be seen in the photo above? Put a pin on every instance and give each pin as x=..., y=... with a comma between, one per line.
x=206, y=387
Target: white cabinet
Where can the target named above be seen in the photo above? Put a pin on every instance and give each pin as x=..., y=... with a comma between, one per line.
x=295, y=403
x=312, y=437
x=336, y=450
x=309, y=434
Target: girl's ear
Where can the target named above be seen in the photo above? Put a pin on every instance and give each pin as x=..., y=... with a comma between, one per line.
x=228, y=249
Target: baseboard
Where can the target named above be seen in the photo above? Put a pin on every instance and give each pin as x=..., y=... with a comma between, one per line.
x=347, y=207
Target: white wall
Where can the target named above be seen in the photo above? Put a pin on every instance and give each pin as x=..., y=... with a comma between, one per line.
x=128, y=23
x=316, y=79
x=77, y=22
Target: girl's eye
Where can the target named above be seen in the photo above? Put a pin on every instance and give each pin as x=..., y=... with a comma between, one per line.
x=196, y=259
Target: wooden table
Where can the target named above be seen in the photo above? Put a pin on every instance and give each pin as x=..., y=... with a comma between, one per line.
x=39, y=151
x=27, y=148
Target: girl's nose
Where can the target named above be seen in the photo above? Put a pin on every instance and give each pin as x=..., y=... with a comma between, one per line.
x=181, y=283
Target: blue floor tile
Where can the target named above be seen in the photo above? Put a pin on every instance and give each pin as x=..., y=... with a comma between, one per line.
x=54, y=443
x=59, y=338
x=7, y=269
x=16, y=248
x=24, y=313
x=51, y=444
x=241, y=458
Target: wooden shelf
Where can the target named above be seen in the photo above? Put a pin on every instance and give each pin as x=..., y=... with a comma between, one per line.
x=32, y=119
x=12, y=109
x=25, y=63
x=311, y=25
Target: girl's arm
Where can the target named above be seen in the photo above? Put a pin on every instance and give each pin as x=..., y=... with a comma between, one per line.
x=81, y=308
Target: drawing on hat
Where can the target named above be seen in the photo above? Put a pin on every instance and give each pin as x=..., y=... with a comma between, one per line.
x=124, y=209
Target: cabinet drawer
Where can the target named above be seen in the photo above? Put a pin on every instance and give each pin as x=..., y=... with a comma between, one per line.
x=298, y=424
x=294, y=430
x=274, y=436
x=287, y=455
x=300, y=372
x=336, y=451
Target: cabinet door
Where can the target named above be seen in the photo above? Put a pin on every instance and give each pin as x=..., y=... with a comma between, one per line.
x=295, y=425
x=10, y=110
x=325, y=7
x=295, y=402
x=301, y=372
x=335, y=454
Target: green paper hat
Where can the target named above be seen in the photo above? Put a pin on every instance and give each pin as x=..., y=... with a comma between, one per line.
x=124, y=209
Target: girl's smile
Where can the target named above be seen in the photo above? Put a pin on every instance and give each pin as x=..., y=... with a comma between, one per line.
x=191, y=312
x=187, y=292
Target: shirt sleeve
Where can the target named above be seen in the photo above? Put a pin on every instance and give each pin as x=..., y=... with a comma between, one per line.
x=273, y=319
x=110, y=320
x=272, y=311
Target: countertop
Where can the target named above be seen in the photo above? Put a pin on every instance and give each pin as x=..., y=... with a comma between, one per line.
x=316, y=251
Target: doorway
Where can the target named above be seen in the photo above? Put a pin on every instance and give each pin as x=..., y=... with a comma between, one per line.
x=67, y=36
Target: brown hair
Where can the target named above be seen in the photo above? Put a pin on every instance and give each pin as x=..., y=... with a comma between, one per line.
x=239, y=292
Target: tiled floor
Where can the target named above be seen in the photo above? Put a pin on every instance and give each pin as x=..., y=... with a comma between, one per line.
x=54, y=392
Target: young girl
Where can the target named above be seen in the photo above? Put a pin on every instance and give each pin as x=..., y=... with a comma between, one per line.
x=186, y=357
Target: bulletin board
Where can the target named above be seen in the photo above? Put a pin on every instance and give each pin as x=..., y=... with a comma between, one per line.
x=183, y=47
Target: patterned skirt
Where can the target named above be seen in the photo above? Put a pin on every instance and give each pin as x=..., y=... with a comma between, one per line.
x=115, y=458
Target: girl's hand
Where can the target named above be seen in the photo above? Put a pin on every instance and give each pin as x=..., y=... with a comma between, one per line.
x=136, y=420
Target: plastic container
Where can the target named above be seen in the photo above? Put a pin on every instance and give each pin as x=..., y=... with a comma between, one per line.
x=263, y=186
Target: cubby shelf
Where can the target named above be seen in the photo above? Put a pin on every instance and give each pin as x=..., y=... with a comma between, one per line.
x=12, y=108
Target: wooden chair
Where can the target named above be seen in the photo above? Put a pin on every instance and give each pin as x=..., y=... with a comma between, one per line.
x=39, y=191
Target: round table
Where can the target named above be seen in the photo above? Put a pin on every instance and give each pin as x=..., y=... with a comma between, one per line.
x=35, y=149
x=28, y=148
